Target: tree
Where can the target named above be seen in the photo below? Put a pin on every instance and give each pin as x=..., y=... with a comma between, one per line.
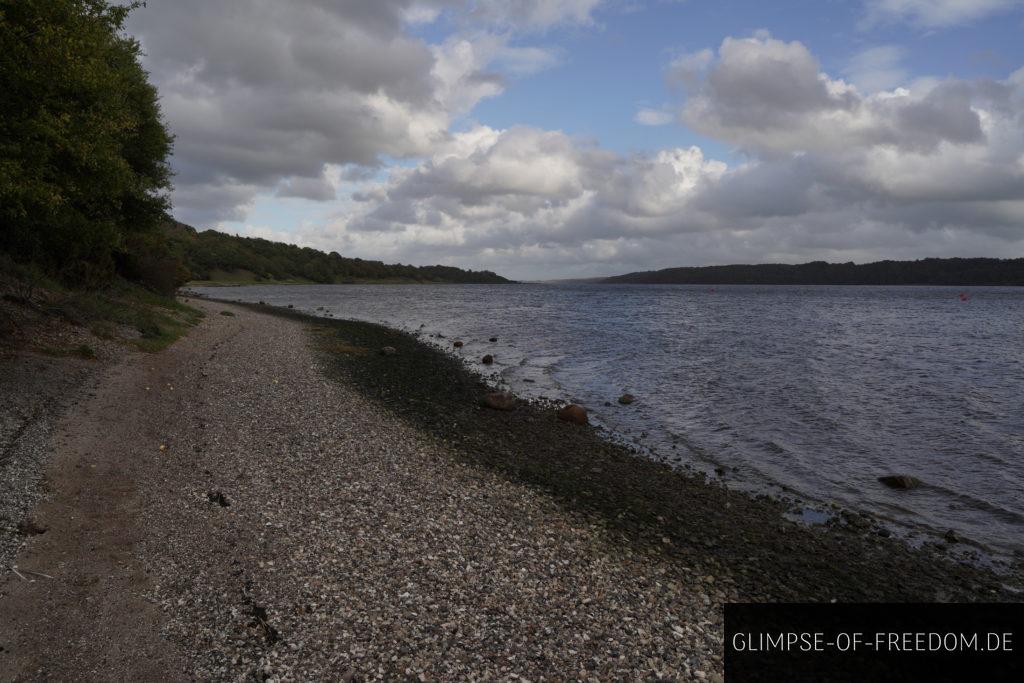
x=83, y=148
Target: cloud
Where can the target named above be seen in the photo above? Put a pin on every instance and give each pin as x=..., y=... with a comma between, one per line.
x=261, y=100
x=877, y=68
x=933, y=168
x=317, y=189
x=533, y=14
x=765, y=95
x=686, y=70
x=346, y=103
x=653, y=117
x=935, y=13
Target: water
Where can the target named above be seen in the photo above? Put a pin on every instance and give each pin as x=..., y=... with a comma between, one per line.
x=815, y=391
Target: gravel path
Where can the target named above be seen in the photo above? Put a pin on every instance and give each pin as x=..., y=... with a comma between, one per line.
x=289, y=529
x=36, y=391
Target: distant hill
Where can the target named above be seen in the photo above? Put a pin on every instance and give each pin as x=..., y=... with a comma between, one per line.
x=217, y=258
x=929, y=271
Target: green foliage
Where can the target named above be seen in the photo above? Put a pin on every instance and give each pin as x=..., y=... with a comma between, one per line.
x=216, y=257
x=929, y=271
x=146, y=258
x=122, y=309
x=83, y=150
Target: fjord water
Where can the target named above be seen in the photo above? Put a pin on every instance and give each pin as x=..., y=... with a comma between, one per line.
x=816, y=391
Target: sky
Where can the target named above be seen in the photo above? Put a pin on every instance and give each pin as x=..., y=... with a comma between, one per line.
x=576, y=138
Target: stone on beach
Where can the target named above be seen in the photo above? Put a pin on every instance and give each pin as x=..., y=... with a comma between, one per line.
x=900, y=481
x=499, y=400
x=576, y=414
x=388, y=351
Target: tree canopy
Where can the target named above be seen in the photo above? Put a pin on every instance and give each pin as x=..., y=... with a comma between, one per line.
x=209, y=255
x=83, y=148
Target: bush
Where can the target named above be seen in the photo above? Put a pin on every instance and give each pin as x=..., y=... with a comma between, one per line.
x=147, y=260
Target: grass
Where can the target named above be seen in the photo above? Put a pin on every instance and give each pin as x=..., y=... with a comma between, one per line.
x=120, y=311
x=158, y=320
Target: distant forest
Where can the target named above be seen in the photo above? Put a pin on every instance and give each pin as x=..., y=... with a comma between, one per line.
x=930, y=271
x=219, y=257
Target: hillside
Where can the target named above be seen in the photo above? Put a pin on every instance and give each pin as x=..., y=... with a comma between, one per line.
x=217, y=258
x=931, y=271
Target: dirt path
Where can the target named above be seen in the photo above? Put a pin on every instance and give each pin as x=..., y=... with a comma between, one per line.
x=83, y=613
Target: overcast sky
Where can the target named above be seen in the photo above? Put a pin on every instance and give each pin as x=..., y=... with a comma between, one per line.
x=571, y=138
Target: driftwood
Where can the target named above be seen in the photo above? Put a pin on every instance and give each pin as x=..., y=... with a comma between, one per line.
x=45, y=576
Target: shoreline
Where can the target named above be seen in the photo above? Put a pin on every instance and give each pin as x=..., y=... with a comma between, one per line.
x=272, y=498
x=646, y=503
x=928, y=515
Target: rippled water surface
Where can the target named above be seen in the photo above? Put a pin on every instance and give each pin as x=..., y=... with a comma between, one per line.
x=817, y=390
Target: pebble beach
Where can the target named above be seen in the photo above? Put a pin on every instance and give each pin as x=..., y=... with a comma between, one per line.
x=273, y=498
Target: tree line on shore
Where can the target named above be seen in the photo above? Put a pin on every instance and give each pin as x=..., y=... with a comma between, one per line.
x=212, y=255
x=929, y=271
x=85, y=177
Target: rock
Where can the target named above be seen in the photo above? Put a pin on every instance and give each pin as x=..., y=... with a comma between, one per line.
x=457, y=344
x=219, y=498
x=607, y=404
x=487, y=360
x=291, y=305
x=951, y=537
x=493, y=339
x=388, y=351
x=30, y=527
x=499, y=400
x=900, y=481
x=626, y=399
x=573, y=413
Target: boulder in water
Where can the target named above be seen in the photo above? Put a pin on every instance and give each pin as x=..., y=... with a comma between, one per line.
x=499, y=400
x=900, y=481
x=626, y=399
x=457, y=344
x=487, y=360
x=576, y=414
x=494, y=339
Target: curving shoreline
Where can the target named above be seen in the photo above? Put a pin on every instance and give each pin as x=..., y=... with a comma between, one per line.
x=644, y=502
x=272, y=497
